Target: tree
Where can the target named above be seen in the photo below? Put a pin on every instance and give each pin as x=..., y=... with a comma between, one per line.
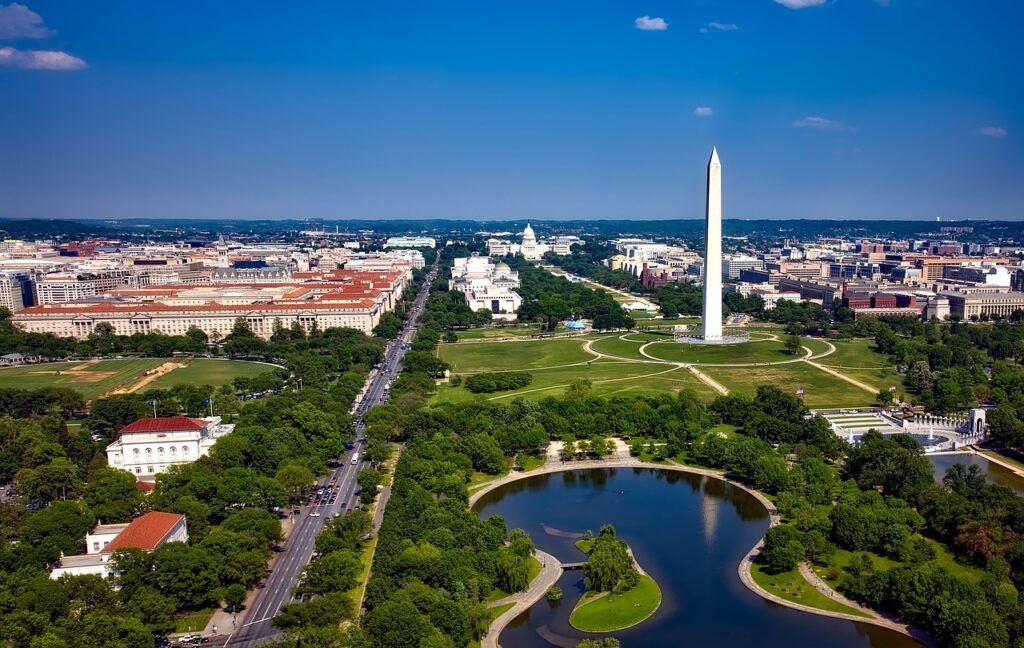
x=187, y=573
x=233, y=597
x=112, y=496
x=519, y=543
x=609, y=566
x=513, y=572
x=337, y=571
x=782, y=549
x=388, y=326
x=397, y=624
x=368, y=480
x=60, y=527
x=296, y=479
x=792, y=344
x=197, y=336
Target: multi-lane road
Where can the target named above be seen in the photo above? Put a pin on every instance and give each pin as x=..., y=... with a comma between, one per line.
x=335, y=500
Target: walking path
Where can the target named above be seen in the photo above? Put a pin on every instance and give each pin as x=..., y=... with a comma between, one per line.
x=709, y=381
x=853, y=381
x=550, y=572
x=621, y=461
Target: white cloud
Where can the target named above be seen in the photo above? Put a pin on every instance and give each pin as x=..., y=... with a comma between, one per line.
x=39, y=60
x=994, y=131
x=18, y=21
x=720, y=26
x=646, y=23
x=703, y=111
x=800, y=4
x=820, y=123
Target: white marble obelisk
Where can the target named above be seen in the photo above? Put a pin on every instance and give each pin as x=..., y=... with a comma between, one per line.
x=711, y=324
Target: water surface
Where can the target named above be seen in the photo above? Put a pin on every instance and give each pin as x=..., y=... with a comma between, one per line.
x=993, y=472
x=690, y=533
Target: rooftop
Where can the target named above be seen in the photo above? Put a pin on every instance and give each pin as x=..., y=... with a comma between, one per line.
x=164, y=424
x=145, y=532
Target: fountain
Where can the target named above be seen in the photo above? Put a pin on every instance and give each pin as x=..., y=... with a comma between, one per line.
x=931, y=433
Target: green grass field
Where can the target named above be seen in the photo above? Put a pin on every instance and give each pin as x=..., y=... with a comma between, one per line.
x=943, y=558
x=89, y=378
x=857, y=352
x=489, y=332
x=745, y=352
x=791, y=586
x=513, y=356
x=193, y=621
x=820, y=389
x=607, y=612
x=608, y=378
x=628, y=348
x=816, y=346
x=208, y=371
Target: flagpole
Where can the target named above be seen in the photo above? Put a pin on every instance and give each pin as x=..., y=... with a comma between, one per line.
x=153, y=403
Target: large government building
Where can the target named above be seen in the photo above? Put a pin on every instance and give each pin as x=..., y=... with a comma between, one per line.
x=327, y=299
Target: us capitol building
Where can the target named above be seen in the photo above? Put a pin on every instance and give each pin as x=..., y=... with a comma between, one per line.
x=530, y=249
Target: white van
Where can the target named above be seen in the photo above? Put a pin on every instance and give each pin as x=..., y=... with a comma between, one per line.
x=355, y=458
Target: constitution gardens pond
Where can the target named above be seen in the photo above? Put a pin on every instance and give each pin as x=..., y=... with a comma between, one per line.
x=690, y=533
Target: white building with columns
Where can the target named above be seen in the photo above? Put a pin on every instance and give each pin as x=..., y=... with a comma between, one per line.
x=530, y=248
x=152, y=445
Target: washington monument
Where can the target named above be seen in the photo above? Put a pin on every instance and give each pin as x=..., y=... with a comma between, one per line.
x=711, y=324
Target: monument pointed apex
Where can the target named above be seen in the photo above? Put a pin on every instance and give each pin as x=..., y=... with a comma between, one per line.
x=714, y=155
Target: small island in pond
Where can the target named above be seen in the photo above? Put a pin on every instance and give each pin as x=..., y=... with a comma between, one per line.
x=619, y=594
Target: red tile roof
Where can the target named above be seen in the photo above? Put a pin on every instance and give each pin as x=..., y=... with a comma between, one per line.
x=144, y=487
x=164, y=424
x=147, y=532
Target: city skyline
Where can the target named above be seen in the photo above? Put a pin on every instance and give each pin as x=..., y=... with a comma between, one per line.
x=853, y=109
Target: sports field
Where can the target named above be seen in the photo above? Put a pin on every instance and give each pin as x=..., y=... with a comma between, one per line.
x=209, y=371
x=90, y=378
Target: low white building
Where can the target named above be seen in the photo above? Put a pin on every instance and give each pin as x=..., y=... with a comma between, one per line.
x=410, y=242
x=146, y=532
x=152, y=445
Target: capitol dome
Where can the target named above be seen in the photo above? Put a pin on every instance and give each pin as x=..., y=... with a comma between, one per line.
x=528, y=234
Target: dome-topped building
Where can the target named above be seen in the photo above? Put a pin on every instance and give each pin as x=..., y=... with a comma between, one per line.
x=530, y=248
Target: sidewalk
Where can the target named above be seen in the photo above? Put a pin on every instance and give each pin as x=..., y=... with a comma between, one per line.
x=522, y=601
x=223, y=622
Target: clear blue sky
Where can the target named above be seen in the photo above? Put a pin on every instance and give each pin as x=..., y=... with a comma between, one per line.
x=511, y=108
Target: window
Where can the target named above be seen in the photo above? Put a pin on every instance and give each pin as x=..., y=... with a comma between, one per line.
x=184, y=451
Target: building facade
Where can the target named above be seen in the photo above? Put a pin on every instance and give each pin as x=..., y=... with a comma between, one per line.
x=146, y=533
x=152, y=445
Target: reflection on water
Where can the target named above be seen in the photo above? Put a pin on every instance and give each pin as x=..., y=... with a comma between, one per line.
x=993, y=472
x=690, y=533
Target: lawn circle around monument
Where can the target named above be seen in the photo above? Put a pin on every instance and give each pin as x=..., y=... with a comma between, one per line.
x=651, y=362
